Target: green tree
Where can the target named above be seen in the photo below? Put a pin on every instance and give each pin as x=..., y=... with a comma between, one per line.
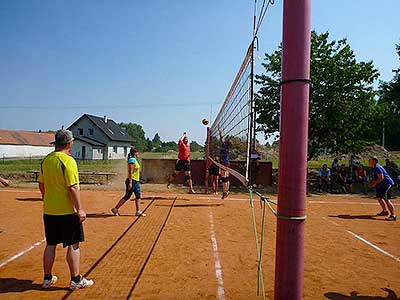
x=389, y=102
x=156, y=141
x=196, y=147
x=342, y=112
x=167, y=146
x=137, y=133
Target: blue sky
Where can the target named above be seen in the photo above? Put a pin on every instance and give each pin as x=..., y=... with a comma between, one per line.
x=162, y=64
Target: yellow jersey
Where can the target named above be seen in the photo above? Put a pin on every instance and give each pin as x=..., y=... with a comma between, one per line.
x=136, y=168
x=58, y=172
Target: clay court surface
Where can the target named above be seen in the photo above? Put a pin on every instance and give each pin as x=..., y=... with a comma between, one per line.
x=173, y=253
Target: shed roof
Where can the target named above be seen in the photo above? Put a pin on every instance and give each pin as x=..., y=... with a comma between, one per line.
x=21, y=137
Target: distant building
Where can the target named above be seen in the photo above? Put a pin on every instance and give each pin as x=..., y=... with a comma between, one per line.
x=25, y=144
x=99, y=138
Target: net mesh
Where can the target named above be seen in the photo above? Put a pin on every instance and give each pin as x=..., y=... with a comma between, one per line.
x=231, y=132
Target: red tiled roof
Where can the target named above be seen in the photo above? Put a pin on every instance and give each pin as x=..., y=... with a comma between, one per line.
x=20, y=137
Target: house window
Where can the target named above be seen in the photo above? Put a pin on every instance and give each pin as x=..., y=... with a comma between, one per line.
x=125, y=151
x=90, y=131
x=115, y=149
x=80, y=131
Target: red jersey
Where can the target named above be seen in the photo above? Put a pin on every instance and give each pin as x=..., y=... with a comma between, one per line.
x=360, y=172
x=184, y=151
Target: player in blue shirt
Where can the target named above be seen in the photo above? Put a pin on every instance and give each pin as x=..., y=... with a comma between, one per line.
x=383, y=184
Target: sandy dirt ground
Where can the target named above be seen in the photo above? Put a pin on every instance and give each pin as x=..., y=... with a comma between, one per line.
x=199, y=247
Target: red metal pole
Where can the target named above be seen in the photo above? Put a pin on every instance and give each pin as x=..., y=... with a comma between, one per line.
x=207, y=161
x=293, y=149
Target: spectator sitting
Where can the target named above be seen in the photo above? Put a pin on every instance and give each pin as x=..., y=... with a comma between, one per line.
x=335, y=166
x=324, y=175
x=360, y=177
x=344, y=179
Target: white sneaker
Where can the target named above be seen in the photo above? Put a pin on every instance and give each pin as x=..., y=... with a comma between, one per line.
x=47, y=283
x=115, y=211
x=140, y=214
x=83, y=283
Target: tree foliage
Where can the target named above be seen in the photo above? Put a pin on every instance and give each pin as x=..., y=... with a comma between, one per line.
x=389, y=102
x=137, y=133
x=343, y=115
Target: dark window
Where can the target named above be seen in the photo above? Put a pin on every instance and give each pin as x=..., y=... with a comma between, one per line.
x=115, y=149
x=90, y=131
x=80, y=131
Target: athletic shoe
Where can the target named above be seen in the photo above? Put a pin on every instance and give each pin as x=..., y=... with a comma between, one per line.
x=225, y=195
x=83, y=283
x=391, y=218
x=192, y=192
x=47, y=283
x=140, y=214
x=383, y=213
x=115, y=211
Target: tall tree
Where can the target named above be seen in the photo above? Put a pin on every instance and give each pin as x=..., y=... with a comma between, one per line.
x=389, y=102
x=343, y=113
x=137, y=133
x=196, y=147
x=156, y=141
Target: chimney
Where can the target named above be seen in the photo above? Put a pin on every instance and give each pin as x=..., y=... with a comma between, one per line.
x=105, y=119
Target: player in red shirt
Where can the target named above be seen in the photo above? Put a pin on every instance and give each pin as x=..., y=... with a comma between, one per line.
x=183, y=163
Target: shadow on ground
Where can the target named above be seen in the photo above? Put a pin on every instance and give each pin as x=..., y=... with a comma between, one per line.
x=29, y=199
x=191, y=205
x=102, y=215
x=355, y=296
x=14, y=285
x=362, y=217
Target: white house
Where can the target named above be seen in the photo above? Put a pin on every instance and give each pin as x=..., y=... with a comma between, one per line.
x=99, y=138
x=25, y=144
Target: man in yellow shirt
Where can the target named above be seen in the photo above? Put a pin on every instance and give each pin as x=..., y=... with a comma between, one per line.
x=63, y=212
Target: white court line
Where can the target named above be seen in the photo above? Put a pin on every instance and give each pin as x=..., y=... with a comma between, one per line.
x=366, y=242
x=374, y=246
x=218, y=268
x=334, y=223
x=2, y=264
x=339, y=202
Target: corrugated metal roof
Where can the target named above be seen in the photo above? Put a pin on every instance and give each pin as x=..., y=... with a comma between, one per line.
x=20, y=137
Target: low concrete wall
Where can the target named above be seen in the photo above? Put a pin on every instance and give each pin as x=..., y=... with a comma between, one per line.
x=157, y=171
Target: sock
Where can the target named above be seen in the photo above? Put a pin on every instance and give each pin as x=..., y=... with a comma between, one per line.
x=76, y=279
x=48, y=276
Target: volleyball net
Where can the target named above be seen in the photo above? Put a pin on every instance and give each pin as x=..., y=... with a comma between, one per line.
x=231, y=134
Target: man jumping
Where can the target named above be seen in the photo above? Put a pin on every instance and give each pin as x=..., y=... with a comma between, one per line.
x=183, y=163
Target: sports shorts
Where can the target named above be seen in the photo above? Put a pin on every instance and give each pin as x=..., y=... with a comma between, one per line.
x=64, y=229
x=135, y=189
x=182, y=165
x=384, y=192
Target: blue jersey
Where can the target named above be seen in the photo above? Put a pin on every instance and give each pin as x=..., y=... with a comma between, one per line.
x=224, y=153
x=387, y=181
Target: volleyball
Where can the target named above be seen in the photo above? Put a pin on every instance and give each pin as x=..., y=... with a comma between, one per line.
x=204, y=121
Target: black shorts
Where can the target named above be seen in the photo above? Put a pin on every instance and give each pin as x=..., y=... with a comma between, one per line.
x=134, y=190
x=384, y=192
x=214, y=170
x=182, y=165
x=64, y=229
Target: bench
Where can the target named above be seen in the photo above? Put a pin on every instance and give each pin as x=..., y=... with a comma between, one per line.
x=83, y=173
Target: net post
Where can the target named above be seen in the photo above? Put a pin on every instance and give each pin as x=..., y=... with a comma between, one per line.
x=296, y=45
x=207, y=161
x=252, y=119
